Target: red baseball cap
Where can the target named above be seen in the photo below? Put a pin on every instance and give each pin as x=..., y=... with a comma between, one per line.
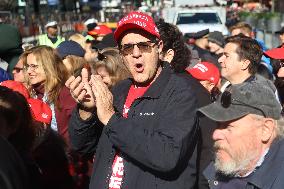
x=205, y=71
x=276, y=53
x=16, y=86
x=136, y=20
x=41, y=111
x=100, y=30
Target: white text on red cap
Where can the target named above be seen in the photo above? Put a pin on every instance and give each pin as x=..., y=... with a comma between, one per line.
x=132, y=16
x=201, y=67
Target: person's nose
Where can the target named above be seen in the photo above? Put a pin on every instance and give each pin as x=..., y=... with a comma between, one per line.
x=136, y=51
x=221, y=59
x=218, y=134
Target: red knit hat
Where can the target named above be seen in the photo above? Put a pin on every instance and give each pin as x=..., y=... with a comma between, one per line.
x=136, y=20
x=205, y=71
x=16, y=86
x=41, y=111
x=100, y=30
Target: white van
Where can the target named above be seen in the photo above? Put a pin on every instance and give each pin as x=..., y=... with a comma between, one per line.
x=192, y=20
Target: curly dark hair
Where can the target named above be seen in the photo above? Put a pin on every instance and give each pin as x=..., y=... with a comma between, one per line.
x=173, y=39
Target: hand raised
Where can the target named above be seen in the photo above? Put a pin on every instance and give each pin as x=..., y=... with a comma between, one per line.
x=81, y=90
x=104, y=99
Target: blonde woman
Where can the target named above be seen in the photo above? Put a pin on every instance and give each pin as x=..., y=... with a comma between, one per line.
x=46, y=75
x=79, y=38
x=110, y=67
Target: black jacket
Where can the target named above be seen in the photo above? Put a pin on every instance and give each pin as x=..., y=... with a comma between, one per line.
x=157, y=141
x=205, y=141
x=13, y=173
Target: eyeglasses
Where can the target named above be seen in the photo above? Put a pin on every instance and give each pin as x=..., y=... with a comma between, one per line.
x=227, y=100
x=17, y=70
x=142, y=46
x=33, y=67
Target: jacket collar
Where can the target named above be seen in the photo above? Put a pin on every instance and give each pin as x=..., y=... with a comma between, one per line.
x=273, y=161
x=157, y=87
x=154, y=91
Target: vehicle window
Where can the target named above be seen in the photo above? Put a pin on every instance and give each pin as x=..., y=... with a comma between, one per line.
x=198, y=18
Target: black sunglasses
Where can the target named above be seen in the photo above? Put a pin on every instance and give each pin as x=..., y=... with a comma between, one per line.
x=17, y=70
x=227, y=100
x=142, y=46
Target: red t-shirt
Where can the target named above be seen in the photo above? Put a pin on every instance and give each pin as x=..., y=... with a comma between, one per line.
x=117, y=165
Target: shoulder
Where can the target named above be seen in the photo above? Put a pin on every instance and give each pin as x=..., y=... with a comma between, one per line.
x=65, y=97
x=121, y=86
x=185, y=80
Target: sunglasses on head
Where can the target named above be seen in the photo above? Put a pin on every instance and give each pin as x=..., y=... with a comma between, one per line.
x=101, y=57
x=227, y=101
x=144, y=47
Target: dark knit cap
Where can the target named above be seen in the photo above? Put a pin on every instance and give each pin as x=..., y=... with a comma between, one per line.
x=107, y=41
x=91, y=26
x=70, y=48
x=217, y=37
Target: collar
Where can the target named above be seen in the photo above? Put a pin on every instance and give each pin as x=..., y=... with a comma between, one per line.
x=250, y=78
x=274, y=160
x=154, y=91
x=157, y=87
x=39, y=88
x=258, y=164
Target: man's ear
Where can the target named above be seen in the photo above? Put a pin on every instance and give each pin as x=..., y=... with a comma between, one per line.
x=268, y=129
x=160, y=46
x=245, y=64
x=169, y=55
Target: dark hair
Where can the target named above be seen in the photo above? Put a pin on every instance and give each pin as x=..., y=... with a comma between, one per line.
x=264, y=71
x=276, y=65
x=173, y=39
x=16, y=117
x=248, y=49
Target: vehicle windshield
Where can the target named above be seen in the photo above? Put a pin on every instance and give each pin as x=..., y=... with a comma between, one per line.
x=198, y=18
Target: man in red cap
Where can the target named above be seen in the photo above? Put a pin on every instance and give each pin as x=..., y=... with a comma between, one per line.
x=207, y=74
x=143, y=133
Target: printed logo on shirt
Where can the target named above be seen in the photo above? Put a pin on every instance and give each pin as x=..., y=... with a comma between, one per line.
x=117, y=173
x=147, y=114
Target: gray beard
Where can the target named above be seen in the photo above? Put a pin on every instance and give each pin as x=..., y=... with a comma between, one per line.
x=236, y=166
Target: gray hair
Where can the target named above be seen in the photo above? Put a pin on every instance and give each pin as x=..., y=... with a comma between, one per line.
x=280, y=127
x=279, y=123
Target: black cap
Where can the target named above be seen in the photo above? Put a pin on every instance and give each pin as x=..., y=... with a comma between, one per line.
x=107, y=41
x=281, y=31
x=217, y=37
x=66, y=48
x=197, y=35
x=253, y=97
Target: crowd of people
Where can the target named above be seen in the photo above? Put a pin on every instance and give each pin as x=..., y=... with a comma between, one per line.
x=143, y=106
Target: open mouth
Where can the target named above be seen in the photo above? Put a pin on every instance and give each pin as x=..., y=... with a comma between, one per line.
x=139, y=67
